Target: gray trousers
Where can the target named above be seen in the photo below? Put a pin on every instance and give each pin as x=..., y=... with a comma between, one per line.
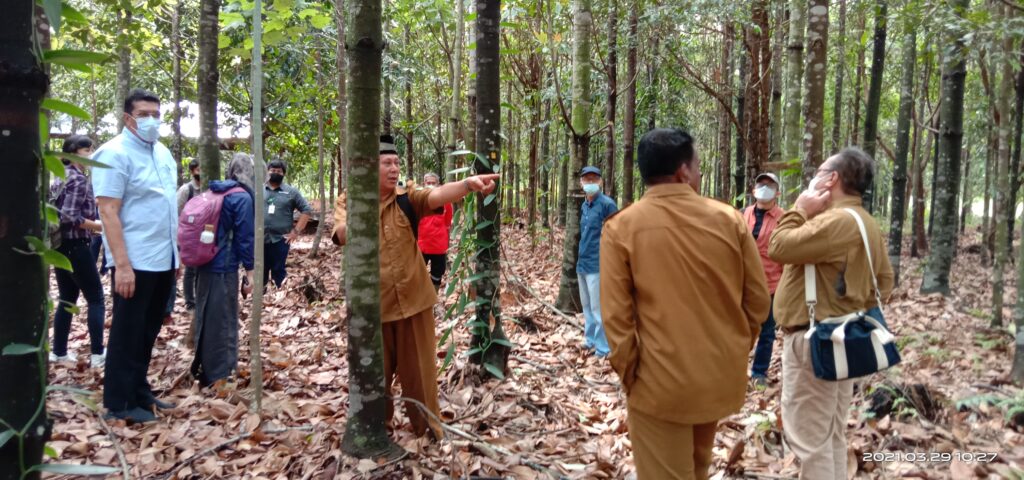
x=216, y=337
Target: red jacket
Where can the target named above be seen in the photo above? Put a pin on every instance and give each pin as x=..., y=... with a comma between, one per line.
x=772, y=270
x=433, y=237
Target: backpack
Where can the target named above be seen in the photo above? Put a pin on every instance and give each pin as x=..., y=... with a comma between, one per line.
x=54, y=198
x=199, y=214
x=406, y=205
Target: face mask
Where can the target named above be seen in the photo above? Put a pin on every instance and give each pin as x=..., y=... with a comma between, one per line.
x=764, y=193
x=148, y=128
x=813, y=186
x=276, y=178
x=429, y=187
x=591, y=188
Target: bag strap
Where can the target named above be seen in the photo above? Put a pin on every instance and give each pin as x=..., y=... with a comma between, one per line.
x=406, y=205
x=810, y=284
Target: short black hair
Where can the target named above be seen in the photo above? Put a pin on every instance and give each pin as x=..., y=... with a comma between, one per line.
x=662, y=151
x=138, y=95
x=74, y=143
x=278, y=163
x=856, y=170
x=193, y=164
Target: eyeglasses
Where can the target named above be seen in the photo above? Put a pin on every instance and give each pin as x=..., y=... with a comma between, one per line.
x=142, y=115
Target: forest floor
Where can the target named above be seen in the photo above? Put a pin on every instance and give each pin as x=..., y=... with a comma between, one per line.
x=560, y=410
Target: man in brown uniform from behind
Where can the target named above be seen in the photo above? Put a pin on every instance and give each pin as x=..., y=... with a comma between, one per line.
x=684, y=295
x=407, y=295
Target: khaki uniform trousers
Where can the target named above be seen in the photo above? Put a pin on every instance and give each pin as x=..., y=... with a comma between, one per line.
x=410, y=353
x=814, y=413
x=667, y=450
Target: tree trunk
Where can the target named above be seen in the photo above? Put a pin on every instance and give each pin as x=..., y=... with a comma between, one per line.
x=206, y=85
x=322, y=207
x=410, y=150
x=940, y=261
x=545, y=153
x=535, y=106
x=256, y=121
x=899, y=176
x=366, y=432
x=489, y=339
x=455, y=112
x=775, y=135
x=655, y=86
x=757, y=96
x=613, y=96
x=23, y=320
x=342, y=107
x=386, y=125
x=124, y=66
x=1004, y=209
x=724, y=120
x=875, y=92
x=837, y=101
x=987, y=218
x=471, y=109
x=739, y=169
x=629, y=122
x=858, y=92
x=583, y=20
x=1015, y=171
x=563, y=188
x=794, y=78
x=816, y=71
x=965, y=205
x=919, y=241
x=176, y=56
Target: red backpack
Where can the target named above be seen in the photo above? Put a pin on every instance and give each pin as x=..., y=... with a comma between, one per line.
x=197, y=227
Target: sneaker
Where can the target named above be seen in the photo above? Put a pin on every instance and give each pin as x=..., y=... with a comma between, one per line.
x=97, y=361
x=135, y=415
x=70, y=357
x=760, y=383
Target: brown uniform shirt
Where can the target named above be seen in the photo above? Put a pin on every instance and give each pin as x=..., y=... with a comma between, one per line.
x=833, y=243
x=683, y=296
x=405, y=287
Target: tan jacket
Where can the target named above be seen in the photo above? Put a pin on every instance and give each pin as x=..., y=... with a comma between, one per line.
x=405, y=287
x=683, y=296
x=833, y=243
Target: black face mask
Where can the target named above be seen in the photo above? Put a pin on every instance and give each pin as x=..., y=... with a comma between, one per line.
x=276, y=178
x=195, y=176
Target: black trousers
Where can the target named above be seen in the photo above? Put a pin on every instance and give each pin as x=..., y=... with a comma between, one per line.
x=133, y=332
x=438, y=264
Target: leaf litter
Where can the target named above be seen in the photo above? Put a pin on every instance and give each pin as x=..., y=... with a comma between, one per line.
x=560, y=411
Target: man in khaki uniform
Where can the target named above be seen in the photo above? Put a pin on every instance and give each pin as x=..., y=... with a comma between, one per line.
x=684, y=294
x=818, y=231
x=407, y=295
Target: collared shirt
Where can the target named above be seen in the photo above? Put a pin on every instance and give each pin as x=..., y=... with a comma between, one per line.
x=142, y=175
x=833, y=243
x=76, y=203
x=405, y=287
x=280, y=211
x=683, y=296
x=186, y=192
x=769, y=220
x=592, y=216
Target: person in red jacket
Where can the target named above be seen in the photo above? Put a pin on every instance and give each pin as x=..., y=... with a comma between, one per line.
x=433, y=235
x=762, y=218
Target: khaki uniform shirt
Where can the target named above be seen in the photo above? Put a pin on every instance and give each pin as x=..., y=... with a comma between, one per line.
x=683, y=296
x=405, y=287
x=833, y=243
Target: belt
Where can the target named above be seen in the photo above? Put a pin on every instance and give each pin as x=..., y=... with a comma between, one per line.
x=798, y=328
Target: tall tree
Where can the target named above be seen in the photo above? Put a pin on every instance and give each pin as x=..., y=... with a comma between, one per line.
x=177, y=54
x=816, y=70
x=366, y=432
x=489, y=338
x=905, y=115
x=256, y=120
x=758, y=93
x=23, y=320
x=875, y=91
x=1004, y=208
x=947, y=168
x=858, y=82
x=341, y=108
x=775, y=135
x=209, y=147
x=545, y=153
x=794, y=78
x=837, y=101
x=455, y=112
x=613, y=95
x=629, y=122
x=1015, y=155
x=724, y=115
x=919, y=241
x=124, y=63
x=583, y=21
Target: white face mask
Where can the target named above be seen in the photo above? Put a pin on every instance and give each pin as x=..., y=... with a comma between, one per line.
x=764, y=193
x=813, y=186
x=148, y=128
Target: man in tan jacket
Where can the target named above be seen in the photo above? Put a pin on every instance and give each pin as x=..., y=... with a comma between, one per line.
x=684, y=294
x=406, y=293
x=818, y=231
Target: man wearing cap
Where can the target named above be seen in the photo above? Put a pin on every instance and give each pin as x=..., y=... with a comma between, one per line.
x=406, y=293
x=761, y=219
x=594, y=211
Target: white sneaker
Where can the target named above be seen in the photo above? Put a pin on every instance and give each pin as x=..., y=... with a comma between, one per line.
x=97, y=361
x=69, y=358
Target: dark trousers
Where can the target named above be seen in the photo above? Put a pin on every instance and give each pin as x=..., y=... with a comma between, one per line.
x=190, y=279
x=133, y=333
x=765, y=343
x=438, y=264
x=97, y=250
x=275, y=255
x=85, y=280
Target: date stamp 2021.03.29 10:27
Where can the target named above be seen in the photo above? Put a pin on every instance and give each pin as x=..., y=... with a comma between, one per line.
x=929, y=457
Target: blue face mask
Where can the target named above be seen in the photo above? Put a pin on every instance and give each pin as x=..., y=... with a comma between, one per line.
x=148, y=128
x=591, y=188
